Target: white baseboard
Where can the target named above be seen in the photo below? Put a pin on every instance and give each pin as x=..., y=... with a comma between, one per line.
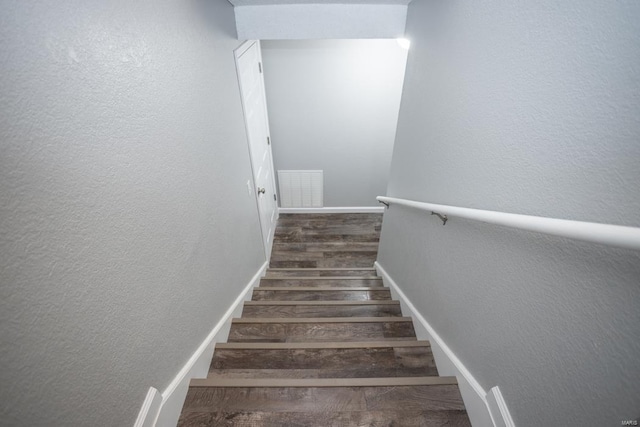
x=474, y=396
x=167, y=411
x=337, y=209
x=150, y=408
x=498, y=408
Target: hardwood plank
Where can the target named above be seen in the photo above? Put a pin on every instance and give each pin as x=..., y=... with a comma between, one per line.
x=296, y=256
x=306, y=358
x=320, y=302
x=326, y=247
x=321, y=289
x=274, y=399
x=422, y=418
x=315, y=310
x=414, y=398
x=318, y=294
x=298, y=236
x=337, y=262
x=355, y=344
x=303, y=264
x=314, y=358
x=396, y=329
x=364, y=273
x=321, y=269
x=320, y=282
x=314, y=320
x=408, y=382
x=320, y=331
x=322, y=362
x=332, y=216
x=357, y=372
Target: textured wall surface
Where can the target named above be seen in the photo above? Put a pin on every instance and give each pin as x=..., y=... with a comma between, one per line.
x=321, y=20
x=126, y=229
x=333, y=105
x=534, y=108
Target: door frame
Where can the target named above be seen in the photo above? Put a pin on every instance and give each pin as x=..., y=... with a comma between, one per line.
x=237, y=53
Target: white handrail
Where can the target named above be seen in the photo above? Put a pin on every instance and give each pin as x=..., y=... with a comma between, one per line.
x=612, y=235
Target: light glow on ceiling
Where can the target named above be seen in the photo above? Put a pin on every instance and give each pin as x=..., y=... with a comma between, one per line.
x=404, y=43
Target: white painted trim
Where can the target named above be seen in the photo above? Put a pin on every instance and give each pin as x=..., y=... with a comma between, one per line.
x=198, y=364
x=474, y=396
x=498, y=408
x=150, y=408
x=337, y=209
x=606, y=234
x=322, y=20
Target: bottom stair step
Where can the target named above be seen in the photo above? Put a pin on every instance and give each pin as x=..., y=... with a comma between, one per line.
x=448, y=418
x=325, y=400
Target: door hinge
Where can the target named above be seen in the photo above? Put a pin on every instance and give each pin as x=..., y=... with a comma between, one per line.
x=260, y=66
x=268, y=141
x=275, y=199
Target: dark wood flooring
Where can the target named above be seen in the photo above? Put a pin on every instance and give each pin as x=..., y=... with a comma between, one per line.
x=322, y=343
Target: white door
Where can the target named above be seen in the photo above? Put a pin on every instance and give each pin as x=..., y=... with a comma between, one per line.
x=249, y=66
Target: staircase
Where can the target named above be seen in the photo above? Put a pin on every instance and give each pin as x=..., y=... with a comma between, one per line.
x=322, y=343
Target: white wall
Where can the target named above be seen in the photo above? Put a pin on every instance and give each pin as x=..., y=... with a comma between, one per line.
x=126, y=228
x=524, y=107
x=333, y=105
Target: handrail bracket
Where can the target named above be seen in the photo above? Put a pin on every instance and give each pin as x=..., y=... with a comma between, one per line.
x=442, y=217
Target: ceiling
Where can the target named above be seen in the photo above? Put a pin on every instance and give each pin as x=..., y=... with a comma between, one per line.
x=273, y=2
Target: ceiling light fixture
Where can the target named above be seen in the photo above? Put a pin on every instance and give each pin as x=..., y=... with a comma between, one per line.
x=404, y=43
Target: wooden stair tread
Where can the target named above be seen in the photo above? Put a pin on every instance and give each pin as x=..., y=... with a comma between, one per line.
x=321, y=329
x=310, y=278
x=413, y=418
x=336, y=344
x=320, y=282
x=310, y=373
x=321, y=289
x=313, y=399
x=321, y=269
x=240, y=320
x=324, y=382
x=378, y=308
x=323, y=362
x=322, y=302
x=325, y=294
